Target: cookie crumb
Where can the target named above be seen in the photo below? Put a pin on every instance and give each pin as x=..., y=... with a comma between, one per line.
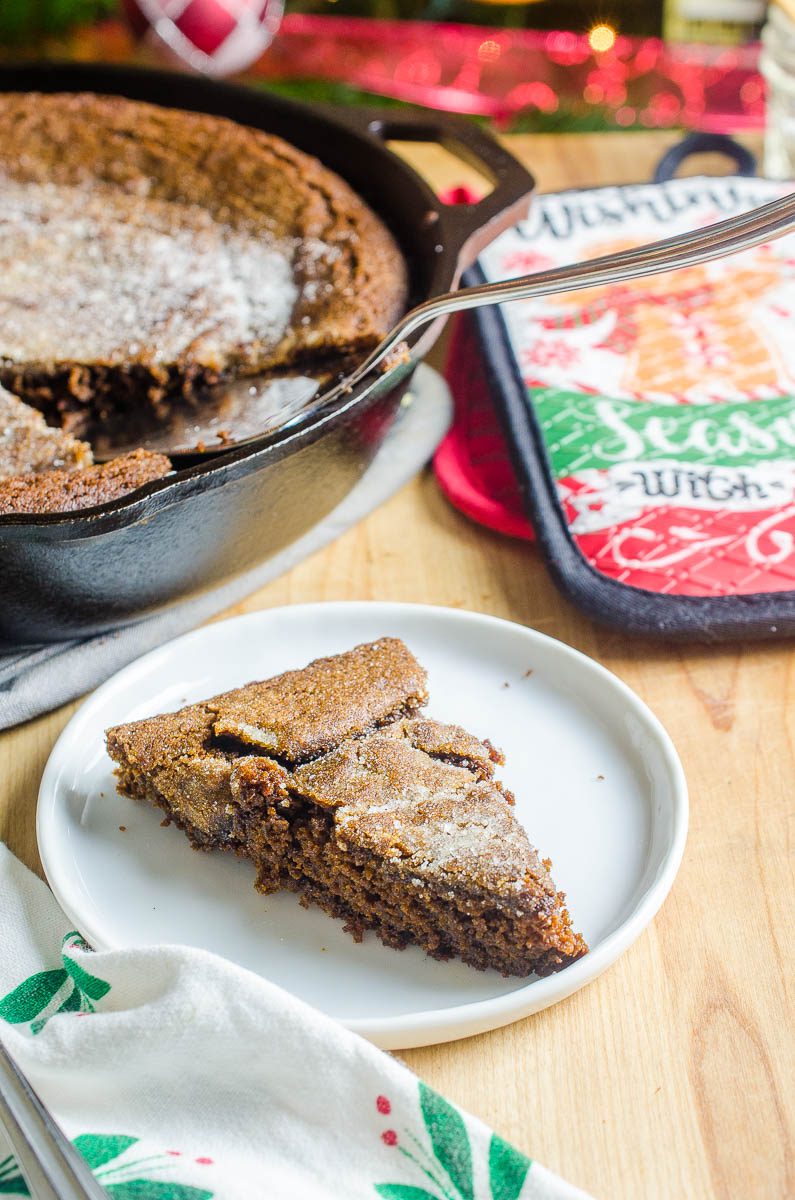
x=528, y=673
x=122, y=829
x=599, y=778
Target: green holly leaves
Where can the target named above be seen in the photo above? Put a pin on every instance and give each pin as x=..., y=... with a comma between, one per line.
x=449, y=1139
x=13, y=1185
x=403, y=1191
x=88, y=985
x=100, y=1150
x=155, y=1189
x=11, y=1182
x=37, y=998
x=32, y=996
x=508, y=1169
x=450, y=1166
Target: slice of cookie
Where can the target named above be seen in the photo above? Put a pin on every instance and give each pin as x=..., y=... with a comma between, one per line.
x=335, y=785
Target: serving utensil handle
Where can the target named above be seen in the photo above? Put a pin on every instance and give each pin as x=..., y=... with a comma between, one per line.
x=52, y=1168
x=737, y=233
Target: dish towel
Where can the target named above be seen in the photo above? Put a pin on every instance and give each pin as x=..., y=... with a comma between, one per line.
x=180, y=1076
x=38, y=679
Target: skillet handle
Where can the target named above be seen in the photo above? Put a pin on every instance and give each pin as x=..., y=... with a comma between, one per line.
x=467, y=228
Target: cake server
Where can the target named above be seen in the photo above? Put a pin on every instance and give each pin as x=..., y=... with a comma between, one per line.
x=240, y=411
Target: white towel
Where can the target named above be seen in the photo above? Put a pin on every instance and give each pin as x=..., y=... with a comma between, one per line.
x=180, y=1076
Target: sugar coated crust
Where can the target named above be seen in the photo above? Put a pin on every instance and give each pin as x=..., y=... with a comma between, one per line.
x=302, y=713
x=158, y=250
x=61, y=491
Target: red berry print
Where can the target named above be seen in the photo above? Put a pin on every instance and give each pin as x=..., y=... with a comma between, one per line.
x=174, y=1153
x=389, y=1137
x=383, y=1105
x=205, y=1162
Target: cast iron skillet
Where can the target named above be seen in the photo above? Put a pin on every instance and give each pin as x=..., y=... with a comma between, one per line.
x=77, y=574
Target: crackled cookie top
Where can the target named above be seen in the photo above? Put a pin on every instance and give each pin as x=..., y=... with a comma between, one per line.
x=427, y=816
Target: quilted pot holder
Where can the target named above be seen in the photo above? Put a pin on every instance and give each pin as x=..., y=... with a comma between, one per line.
x=651, y=424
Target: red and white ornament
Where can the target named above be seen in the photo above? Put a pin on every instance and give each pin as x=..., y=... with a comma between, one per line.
x=216, y=37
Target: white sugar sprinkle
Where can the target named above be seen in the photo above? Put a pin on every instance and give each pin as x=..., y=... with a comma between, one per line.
x=93, y=276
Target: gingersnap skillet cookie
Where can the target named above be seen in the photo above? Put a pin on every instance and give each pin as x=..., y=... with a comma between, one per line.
x=382, y=786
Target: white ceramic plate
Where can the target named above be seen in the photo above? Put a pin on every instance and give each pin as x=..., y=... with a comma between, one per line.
x=598, y=787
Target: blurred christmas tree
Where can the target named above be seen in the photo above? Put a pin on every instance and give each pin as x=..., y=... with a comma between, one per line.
x=26, y=22
x=32, y=21
x=634, y=17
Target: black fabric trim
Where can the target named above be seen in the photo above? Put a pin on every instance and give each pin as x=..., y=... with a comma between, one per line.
x=619, y=605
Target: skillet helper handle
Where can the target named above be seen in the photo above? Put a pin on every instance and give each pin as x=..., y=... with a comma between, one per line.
x=704, y=143
x=468, y=227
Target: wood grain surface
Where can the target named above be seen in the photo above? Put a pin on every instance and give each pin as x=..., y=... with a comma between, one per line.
x=671, y=1076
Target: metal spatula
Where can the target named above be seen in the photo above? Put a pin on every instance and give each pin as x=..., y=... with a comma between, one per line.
x=246, y=409
x=226, y=415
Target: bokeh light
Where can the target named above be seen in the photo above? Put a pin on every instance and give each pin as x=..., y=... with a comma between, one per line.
x=601, y=38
